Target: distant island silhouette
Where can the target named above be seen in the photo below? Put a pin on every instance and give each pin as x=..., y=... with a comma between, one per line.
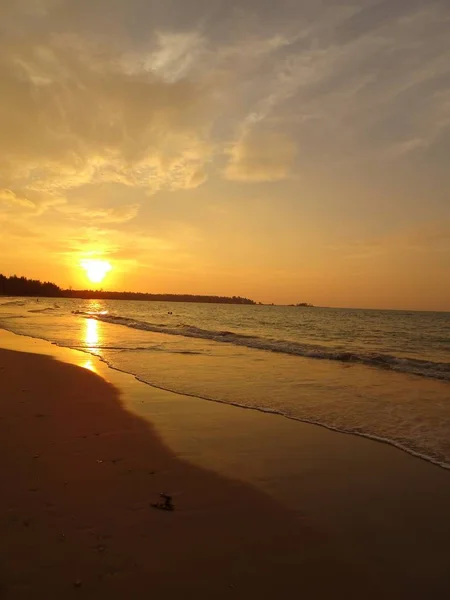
x=304, y=304
x=22, y=286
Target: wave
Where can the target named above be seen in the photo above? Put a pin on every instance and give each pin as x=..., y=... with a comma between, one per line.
x=90, y=313
x=433, y=454
x=411, y=366
x=95, y=349
x=13, y=303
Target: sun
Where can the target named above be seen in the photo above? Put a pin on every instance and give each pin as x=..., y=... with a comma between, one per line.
x=96, y=269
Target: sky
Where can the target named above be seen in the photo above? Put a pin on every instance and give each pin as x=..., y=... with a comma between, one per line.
x=289, y=151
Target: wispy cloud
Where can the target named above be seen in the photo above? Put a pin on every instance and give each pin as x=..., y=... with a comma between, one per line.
x=261, y=156
x=118, y=214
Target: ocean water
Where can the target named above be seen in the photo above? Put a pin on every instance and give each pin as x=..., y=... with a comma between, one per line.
x=380, y=374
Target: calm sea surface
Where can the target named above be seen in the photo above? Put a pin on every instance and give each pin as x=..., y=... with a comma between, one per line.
x=381, y=374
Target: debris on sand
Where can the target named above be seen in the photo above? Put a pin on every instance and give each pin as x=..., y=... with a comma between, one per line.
x=165, y=504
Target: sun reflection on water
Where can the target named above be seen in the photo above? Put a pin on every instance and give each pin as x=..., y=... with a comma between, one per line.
x=91, y=336
x=91, y=340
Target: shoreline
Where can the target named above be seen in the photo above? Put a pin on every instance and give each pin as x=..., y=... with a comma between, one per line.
x=381, y=440
x=347, y=490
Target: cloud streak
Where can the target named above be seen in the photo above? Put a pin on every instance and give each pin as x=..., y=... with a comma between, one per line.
x=261, y=156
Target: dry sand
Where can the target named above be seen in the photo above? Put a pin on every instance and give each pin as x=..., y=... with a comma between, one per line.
x=79, y=474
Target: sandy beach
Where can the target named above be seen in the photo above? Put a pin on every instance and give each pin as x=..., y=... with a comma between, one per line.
x=79, y=477
x=224, y=300
x=80, y=471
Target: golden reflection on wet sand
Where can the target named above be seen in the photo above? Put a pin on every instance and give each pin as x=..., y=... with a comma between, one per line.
x=88, y=364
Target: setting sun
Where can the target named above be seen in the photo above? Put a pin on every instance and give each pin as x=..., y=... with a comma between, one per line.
x=96, y=269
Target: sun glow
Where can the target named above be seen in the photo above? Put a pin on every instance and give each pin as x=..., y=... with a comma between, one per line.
x=96, y=269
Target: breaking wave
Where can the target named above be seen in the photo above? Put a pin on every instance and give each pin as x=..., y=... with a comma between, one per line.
x=13, y=303
x=412, y=366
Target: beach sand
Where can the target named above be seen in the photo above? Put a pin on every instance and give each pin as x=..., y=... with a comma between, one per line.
x=79, y=476
x=265, y=507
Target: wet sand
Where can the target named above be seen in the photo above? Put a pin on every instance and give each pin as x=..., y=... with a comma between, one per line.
x=79, y=476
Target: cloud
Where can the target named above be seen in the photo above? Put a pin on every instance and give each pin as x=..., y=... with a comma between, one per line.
x=11, y=199
x=430, y=236
x=175, y=55
x=197, y=178
x=11, y=228
x=261, y=156
x=28, y=203
x=407, y=146
x=118, y=214
x=89, y=100
x=385, y=90
x=373, y=16
x=71, y=116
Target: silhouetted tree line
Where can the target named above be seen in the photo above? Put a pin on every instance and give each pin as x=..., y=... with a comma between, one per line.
x=102, y=295
x=21, y=286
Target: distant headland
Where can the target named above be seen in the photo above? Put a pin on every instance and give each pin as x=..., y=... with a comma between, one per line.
x=22, y=286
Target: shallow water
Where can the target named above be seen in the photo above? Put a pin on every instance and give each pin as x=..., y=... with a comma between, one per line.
x=381, y=374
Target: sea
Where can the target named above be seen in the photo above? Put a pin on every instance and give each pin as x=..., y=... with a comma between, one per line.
x=380, y=374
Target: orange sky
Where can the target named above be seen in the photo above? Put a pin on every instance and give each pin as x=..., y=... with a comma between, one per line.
x=226, y=148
